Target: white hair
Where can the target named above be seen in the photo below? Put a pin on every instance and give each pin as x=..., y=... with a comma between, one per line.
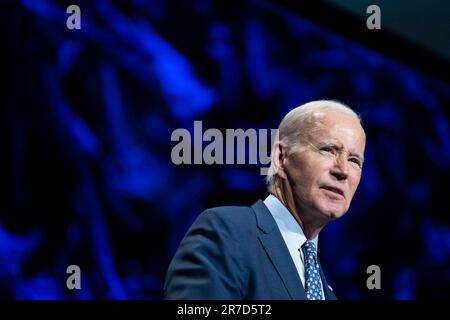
x=292, y=125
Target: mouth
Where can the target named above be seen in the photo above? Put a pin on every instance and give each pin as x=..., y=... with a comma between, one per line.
x=334, y=190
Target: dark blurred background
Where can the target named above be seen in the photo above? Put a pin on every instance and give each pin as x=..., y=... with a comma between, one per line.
x=86, y=118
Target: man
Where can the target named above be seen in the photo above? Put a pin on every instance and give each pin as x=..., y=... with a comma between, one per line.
x=269, y=250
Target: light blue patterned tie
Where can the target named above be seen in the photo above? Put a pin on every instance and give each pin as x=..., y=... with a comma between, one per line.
x=312, y=274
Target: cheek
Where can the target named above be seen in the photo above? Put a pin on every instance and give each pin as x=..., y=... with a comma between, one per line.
x=313, y=190
x=304, y=186
x=310, y=183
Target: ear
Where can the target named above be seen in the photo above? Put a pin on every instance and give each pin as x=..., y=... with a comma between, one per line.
x=279, y=157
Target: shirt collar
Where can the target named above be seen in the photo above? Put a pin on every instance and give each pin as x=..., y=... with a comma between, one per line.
x=289, y=228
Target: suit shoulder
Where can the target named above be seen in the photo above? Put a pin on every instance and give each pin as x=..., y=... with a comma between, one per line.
x=233, y=214
x=230, y=219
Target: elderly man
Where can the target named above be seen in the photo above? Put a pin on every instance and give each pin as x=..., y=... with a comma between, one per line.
x=269, y=250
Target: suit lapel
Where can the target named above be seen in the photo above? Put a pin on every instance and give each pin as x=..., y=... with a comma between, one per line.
x=329, y=294
x=276, y=249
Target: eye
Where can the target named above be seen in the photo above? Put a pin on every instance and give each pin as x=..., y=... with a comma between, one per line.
x=327, y=149
x=356, y=161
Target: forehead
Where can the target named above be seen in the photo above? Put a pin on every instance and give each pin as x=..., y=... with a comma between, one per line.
x=335, y=126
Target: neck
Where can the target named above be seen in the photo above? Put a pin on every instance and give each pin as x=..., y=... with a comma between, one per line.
x=308, y=220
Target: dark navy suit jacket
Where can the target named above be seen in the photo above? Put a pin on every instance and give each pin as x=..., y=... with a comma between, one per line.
x=235, y=253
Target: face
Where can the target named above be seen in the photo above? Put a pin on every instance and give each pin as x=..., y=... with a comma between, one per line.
x=325, y=169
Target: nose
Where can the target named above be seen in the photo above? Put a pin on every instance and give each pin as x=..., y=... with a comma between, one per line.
x=340, y=169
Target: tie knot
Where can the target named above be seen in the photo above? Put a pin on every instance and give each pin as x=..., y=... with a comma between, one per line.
x=309, y=247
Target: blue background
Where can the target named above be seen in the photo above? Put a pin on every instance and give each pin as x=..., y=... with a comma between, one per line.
x=86, y=121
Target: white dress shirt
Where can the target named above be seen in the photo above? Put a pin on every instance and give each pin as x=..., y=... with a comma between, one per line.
x=292, y=234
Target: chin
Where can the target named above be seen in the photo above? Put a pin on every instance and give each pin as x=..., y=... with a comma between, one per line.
x=333, y=212
x=336, y=215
